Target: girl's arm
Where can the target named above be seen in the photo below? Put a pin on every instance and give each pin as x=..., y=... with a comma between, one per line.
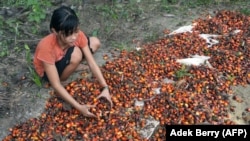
x=98, y=74
x=93, y=66
x=54, y=80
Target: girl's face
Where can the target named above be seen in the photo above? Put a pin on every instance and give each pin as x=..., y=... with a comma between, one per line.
x=68, y=40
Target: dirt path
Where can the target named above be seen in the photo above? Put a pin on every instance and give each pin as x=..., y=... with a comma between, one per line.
x=145, y=23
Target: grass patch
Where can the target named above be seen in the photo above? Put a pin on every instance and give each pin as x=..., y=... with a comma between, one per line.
x=121, y=46
x=173, y=6
x=33, y=75
x=120, y=11
x=245, y=11
x=182, y=72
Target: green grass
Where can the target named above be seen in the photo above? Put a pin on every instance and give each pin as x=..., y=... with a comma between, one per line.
x=245, y=11
x=33, y=75
x=121, y=45
x=120, y=11
x=173, y=6
x=182, y=72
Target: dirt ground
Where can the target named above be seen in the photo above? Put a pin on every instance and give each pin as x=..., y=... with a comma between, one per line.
x=145, y=23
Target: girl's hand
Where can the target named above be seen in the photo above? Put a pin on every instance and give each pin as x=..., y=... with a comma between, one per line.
x=105, y=94
x=84, y=109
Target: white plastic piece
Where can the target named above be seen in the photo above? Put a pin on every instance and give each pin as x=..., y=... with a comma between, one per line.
x=157, y=90
x=138, y=48
x=139, y=103
x=182, y=29
x=166, y=80
x=148, y=130
x=210, y=39
x=196, y=60
x=236, y=31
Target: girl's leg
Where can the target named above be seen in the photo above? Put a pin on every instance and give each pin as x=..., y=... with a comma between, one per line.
x=76, y=58
x=94, y=44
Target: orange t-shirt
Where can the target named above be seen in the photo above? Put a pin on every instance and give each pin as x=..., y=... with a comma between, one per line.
x=50, y=52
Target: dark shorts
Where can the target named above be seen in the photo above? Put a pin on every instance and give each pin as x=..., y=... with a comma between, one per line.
x=63, y=63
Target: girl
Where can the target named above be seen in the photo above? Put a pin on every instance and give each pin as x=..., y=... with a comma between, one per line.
x=59, y=54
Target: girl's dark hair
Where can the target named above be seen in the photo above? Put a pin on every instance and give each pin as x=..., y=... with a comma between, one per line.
x=64, y=19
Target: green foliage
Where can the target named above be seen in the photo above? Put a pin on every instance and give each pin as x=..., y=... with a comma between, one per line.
x=37, y=8
x=10, y=25
x=95, y=32
x=119, y=11
x=120, y=45
x=4, y=51
x=28, y=54
x=176, y=5
x=245, y=11
x=5, y=43
x=231, y=77
x=38, y=11
x=1, y=21
x=33, y=75
x=196, y=3
x=12, y=2
x=151, y=37
x=108, y=11
x=182, y=72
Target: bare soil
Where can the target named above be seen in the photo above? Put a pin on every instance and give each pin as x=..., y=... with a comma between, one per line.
x=144, y=23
